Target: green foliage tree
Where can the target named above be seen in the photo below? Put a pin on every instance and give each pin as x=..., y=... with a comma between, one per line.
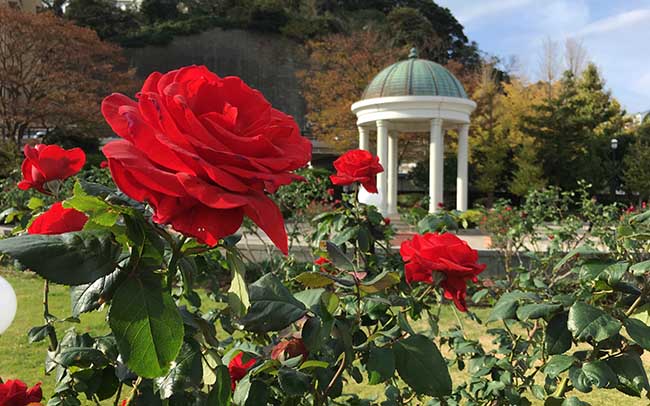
x=159, y=10
x=528, y=174
x=636, y=164
x=574, y=128
x=108, y=20
x=408, y=27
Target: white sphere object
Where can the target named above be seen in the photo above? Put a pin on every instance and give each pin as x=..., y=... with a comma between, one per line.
x=8, y=305
x=371, y=199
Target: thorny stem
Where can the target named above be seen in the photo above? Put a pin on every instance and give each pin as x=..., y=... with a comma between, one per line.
x=51, y=333
x=118, y=395
x=636, y=303
x=336, y=375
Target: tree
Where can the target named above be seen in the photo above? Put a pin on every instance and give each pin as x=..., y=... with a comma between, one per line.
x=159, y=10
x=636, y=164
x=53, y=74
x=489, y=140
x=408, y=27
x=340, y=68
x=103, y=16
x=575, y=56
x=549, y=64
x=574, y=129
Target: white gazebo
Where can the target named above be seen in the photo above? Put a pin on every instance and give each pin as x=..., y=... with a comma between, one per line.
x=415, y=95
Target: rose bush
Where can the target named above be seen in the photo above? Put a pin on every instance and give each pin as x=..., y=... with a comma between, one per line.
x=192, y=320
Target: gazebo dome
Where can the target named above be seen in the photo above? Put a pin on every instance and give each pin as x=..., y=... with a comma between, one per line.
x=414, y=77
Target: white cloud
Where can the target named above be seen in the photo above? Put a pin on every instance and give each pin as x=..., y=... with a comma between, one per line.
x=615, y=22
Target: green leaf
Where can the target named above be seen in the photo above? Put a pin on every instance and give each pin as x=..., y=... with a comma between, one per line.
x=238, y=296
x=581, y=251
x=69, y=259
x=98, y=210
x=338, y=258
x=220, y=393
x=380, y=282
x=292, y=382
x=558, y=337
x=314, y=279
x=39, y=333
x=574, y=401
x=600, y=374
x=273, y=307
x=642, y=313
x=587, y=322
x=250, y=393
x=147, y=325
x=641, y=268
x=632, y=377
x=638, y=331
x=186, y=371
x=558, y=364
x=537, y=311
x=345, y=236
x=89, y=297
x=420, y=364
x=35, y=203
x=381, y=365
x=506, y=306
x=579, y=380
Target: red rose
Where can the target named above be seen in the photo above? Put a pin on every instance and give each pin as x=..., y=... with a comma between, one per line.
x=45, y=163
x=291, y=348
x=357, y=165
x=103, y=164
x=58, y=220
x=323, y=263
x=238, y=369
x=16, y=393
x=444, y=253
x=202, y=151
x=441, y=205
x=330, y=192
x=386, y=221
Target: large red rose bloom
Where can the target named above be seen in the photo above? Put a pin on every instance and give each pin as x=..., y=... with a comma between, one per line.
x=45, y=163
x=58, y=220
x=202, y=151
x=444, y=253
x=357, y=165
x=238, y=369
x=16, y=393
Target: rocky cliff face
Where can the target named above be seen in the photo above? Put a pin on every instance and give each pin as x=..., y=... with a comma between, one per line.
x=266, y=62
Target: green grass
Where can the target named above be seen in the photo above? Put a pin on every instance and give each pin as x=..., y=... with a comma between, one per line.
x=20, y=359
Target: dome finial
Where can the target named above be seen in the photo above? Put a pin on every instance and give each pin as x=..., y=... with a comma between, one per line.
x=413, y=54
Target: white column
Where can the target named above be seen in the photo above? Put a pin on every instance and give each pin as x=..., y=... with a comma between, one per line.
x=461, y=177
x=364, y=139
x=436, y=164
x=382, y=153
x=393, y=137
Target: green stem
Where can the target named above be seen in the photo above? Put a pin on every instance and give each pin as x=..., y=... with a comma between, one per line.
x=51, y=333
x=173, y=263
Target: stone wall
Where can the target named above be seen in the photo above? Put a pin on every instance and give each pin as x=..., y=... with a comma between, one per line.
x=267, y=62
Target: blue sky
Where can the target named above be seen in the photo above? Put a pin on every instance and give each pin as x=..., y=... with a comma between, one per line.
x=615, y=33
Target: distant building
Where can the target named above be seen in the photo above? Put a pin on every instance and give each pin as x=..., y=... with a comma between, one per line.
x=25, y=5
x=639, y=117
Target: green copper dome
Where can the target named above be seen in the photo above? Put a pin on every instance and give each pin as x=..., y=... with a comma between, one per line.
x=414, y=77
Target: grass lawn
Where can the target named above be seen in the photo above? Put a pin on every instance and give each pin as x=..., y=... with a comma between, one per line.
x=20, y=359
